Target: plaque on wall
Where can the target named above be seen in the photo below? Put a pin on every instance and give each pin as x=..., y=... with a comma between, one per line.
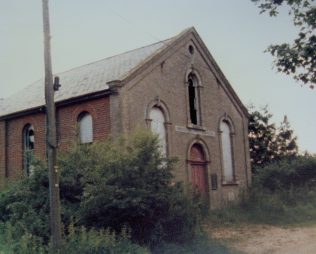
x=214, y=181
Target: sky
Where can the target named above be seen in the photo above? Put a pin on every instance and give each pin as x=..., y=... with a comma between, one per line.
x=85, y=31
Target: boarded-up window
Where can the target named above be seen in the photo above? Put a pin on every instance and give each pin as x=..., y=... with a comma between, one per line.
x=227, y=152
x=85, y=128
x=158, y=127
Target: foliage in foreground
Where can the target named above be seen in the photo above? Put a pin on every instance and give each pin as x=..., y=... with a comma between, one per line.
x=103, y=242
x=77, y=241
x=283, y=192
x=107, y=185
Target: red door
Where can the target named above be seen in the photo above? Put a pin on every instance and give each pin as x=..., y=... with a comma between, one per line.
x=198, y=169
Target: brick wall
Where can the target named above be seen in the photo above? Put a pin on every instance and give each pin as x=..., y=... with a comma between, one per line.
x=165, y=79
x=15, y=141
x=99, y=109
x=2, y=149
x=66, y=127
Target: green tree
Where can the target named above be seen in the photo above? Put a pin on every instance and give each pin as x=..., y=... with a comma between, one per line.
x=267, y=142
x=285, y=140
x=297, y=59
x=261, y=136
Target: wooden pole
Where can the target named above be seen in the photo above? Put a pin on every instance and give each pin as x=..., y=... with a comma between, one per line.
x=51, y=137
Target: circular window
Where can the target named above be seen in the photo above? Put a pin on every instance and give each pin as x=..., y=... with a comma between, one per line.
x=191, y=49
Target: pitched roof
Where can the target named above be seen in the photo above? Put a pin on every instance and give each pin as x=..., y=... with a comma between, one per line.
x=83, y=80
x=95, y=77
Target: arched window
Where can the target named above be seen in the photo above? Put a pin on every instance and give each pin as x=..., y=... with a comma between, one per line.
x=157, y=126
x=28, y=148
x=85, y=128
x=227, y=152
x=194, y=101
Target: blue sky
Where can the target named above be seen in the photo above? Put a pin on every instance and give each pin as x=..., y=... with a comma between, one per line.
x=84, y=31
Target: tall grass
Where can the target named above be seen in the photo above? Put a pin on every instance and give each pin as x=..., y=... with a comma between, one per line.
x=283, y=193
x=79, y=240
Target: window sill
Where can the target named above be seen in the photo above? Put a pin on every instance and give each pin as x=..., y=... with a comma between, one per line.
x=196, y=127
x=233, y=183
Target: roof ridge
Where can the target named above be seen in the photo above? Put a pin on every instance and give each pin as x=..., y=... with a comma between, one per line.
x=106, y=69
x=131, y=50
x=109, y=57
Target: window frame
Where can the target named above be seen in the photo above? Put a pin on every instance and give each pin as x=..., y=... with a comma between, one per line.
x=27, y=150
x=231, y=136
x=196, y=81
x=80, y=120
x=162, y=143
x=158, y=103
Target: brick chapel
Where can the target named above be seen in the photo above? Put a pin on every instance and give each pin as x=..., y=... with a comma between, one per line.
x=173, y=87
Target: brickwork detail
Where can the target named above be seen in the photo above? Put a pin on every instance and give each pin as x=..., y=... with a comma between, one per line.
x=2, y=149
x=66, y=128
x=161, y=81
x=168, y=82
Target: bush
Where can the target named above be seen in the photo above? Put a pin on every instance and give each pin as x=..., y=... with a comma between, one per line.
x=287, y=173
x=24, y=204
x=129, y=184
x=283, y=192
x=126, y=184
x=103, y=241
x=13, y=243
x=77, y=241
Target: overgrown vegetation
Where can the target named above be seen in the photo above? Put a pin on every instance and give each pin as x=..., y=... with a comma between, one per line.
x=283, y=192
x=105, y=189
x=199, y=245
x=78, y=240
x=268, y=142
x=118, y=196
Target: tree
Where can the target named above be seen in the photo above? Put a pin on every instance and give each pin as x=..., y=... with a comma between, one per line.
x=297, y=59
x=285, y=140
x=267, y=142
x=261, y=136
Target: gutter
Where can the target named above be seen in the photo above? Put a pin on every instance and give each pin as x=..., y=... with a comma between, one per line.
x=41, y=109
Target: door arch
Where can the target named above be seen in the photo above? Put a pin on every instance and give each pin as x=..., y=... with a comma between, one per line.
x=198, y=168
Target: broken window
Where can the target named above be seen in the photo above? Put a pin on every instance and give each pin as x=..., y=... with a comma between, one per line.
x=193, y=99
x=28, y=148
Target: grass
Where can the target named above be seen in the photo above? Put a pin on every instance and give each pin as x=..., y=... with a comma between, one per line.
x=200, y=245
x=89, y=241
x=290, y=207
x=284, y=208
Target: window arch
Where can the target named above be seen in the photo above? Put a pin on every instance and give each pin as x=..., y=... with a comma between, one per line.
x=157, y=126
x=85, y=128
x=194, y=99
x=28, y=148
x=227, y=151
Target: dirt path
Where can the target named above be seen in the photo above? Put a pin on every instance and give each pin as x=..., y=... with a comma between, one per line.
x=261, y=239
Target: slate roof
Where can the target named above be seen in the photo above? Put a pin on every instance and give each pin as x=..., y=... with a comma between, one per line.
x=82, y=80
x=94, y=77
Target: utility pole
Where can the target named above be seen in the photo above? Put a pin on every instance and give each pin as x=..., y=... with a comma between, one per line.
x=51, y=137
